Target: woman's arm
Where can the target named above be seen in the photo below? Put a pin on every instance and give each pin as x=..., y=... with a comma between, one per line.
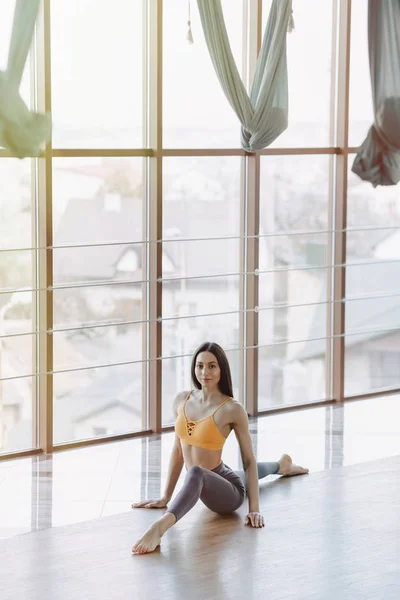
x=241, y=427
x=176, y=459
x=174, y=468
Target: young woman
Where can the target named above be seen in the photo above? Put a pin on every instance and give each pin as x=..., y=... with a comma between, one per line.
x=204, y=419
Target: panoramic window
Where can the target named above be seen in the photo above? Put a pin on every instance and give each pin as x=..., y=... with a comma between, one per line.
x=144, y=229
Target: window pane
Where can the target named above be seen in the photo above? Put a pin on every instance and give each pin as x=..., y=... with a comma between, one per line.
x=15, y=270
x=196, y=112
x=97, y=346
x=175, y=379
x=372, y=313
x=201, y=200
x=292, y=251
x=182, y=336
x=97, y=402
x=292, y=324
x=370, y=207
x=98, y=263
x=102, y=305
x=292, y=287
x=97, y=74
x=372, y=280
x=371, y=358
x=15, y=204
x=101, y=190
x=17, y=397
x=309, y=73
x=98, y=201
x=17, y=351
x=200, y=258
x=16, y=418
x=201, y=197
x=280, y=433
x=372, y=362
x=294, y=193
x=225, y=297
x=291, y=374
x=17, y=356
x=293, y=197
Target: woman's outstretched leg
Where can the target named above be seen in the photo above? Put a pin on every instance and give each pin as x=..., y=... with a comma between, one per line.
x=184, y=501
x=213, y=487
x=151, y=538
x=288, y=468
x=267, y=468
x=283, y=467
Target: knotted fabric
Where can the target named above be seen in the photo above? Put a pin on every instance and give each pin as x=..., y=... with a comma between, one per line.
x=264, y=116
x=378, y=158
x=22, y=132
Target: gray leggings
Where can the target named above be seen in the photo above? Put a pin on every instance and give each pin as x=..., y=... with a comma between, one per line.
x=222, y=490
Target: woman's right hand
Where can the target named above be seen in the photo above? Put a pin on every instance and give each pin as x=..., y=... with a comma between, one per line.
x=160, y=503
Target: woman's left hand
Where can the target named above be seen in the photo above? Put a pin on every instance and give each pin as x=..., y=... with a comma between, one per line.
x=255, y=519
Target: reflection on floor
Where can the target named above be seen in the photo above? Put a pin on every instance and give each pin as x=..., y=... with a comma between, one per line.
x=89, y=483
x=332, y=535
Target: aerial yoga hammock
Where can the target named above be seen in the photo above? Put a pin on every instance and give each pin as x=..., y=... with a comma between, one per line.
x=22, y=132
x=378, y=158
x=263, y=115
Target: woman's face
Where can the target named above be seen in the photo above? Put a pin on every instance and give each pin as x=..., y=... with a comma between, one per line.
x=207, y=370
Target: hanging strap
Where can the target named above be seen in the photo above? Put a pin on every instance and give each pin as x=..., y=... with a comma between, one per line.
x=23, y=28
x=184, y=404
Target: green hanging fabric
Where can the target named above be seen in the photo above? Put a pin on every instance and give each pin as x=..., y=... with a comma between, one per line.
x=22, y=132
x=264, y=116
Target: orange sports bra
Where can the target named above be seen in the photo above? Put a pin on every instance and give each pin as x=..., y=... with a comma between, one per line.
x=203, y=433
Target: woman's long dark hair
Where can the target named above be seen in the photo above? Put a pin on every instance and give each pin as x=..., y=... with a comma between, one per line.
x=225, y=383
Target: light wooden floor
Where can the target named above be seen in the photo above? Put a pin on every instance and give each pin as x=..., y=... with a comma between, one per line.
x=330, y=535
x=81, y=484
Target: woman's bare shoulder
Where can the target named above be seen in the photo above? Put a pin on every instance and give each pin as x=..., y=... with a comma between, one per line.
x=233, y=406
x=179, y=401
x=235, y=410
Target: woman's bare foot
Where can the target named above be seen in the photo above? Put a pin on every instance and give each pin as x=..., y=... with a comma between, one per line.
x=151, y=539
x=288, y=469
